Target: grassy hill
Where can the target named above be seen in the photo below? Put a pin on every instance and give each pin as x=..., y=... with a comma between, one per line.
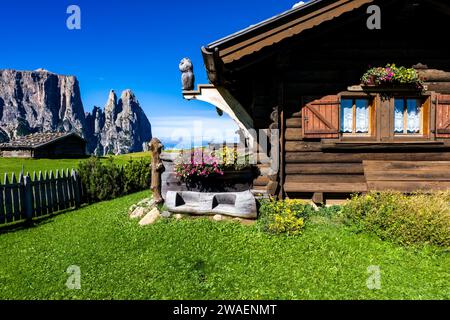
x=10, y=165
x=202, y=259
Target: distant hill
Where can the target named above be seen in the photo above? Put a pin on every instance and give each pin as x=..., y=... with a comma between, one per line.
x=42, y=101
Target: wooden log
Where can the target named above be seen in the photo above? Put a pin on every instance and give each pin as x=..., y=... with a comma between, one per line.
x=297, y=187
x=408, y=186
x=326, y=178
x=261, y=181
x=318, y=198
x=272, y=188
x=433, y=75
x=156, y=148
x=293, y=134
x=442, y=87
x=15, y=196
x=8, y=200
x=236, y=204
x=37, y=195
x=302, y=146
x=324, y=168
x=294, y=123
x=321, y=157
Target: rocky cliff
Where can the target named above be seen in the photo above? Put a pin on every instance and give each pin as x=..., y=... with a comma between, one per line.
x=121, y=128
x=41, y=101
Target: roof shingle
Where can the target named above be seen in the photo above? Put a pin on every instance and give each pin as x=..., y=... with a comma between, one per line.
x=35, y=140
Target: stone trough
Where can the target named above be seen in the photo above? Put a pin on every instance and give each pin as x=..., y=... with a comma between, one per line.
x=235, y=204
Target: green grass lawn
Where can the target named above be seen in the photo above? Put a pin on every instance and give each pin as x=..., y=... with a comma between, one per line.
x=201, y=259
x=10, y=165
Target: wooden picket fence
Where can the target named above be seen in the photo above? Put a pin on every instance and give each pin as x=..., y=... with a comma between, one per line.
x=27, y=198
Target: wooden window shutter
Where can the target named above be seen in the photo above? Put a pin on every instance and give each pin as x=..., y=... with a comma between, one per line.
x=321, y=118
x=443, y=116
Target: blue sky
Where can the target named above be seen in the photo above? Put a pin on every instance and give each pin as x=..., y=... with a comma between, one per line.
x=132, y=44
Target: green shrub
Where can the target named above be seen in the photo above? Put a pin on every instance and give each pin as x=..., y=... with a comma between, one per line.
x=106, y=180
x=286, y=216
x=409, y=220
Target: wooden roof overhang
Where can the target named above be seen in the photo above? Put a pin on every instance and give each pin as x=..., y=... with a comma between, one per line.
x=272, y=31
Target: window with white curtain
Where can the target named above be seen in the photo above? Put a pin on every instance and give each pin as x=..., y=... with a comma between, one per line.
x=355, y=116
x=408, y=116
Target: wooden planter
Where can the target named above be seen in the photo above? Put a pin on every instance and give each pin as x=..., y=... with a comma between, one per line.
x=231, y=181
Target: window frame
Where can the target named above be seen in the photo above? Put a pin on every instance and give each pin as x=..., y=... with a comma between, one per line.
x=422, y=110
x=382, y=117
x=372, y=117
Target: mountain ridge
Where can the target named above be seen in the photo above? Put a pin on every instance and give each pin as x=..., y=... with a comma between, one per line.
x=43, y=101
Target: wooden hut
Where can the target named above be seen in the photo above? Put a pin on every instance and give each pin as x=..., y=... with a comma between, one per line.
x=45, y=145
x=300, y=72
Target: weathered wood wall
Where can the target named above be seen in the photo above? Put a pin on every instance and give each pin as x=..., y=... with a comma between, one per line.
x=326, y=60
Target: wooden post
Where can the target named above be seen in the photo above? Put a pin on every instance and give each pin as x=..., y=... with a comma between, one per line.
x=15, y=194
x=53, y=192
x=28, y=203
x=37, y=195
x=42, y=191
x=8, y=200
x=76, y=189
x=2, y=207
x=156, y=148
x=22, y=195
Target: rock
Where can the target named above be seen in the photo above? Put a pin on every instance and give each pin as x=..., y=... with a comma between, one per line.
x=139, y=212
x=150, y=218
x=147, y=203
x=166, y=214
x=218, y=217
x=132, y=208
x=126, y=127
x=179, y=216
x=41, y=101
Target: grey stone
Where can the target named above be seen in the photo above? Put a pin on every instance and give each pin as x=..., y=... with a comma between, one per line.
x=179, y=216
x=166, y=214
x=132, y=208
x=235, y=204
x=150, y=218
x=147, y=203
x=218, y=217
x=139, y=212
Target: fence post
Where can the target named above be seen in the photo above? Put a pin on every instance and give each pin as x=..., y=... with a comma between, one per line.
x=76, y=189
x=28, y=199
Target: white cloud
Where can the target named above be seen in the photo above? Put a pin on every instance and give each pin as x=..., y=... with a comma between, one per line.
x=196, y=129
x=298, y=4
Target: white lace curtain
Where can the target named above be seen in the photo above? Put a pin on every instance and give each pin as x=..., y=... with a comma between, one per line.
x=412, y=113
x=347, y=115
x=362, y=115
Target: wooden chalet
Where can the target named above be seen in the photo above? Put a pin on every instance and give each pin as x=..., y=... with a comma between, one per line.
x=45, y=145
x=300, y=72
